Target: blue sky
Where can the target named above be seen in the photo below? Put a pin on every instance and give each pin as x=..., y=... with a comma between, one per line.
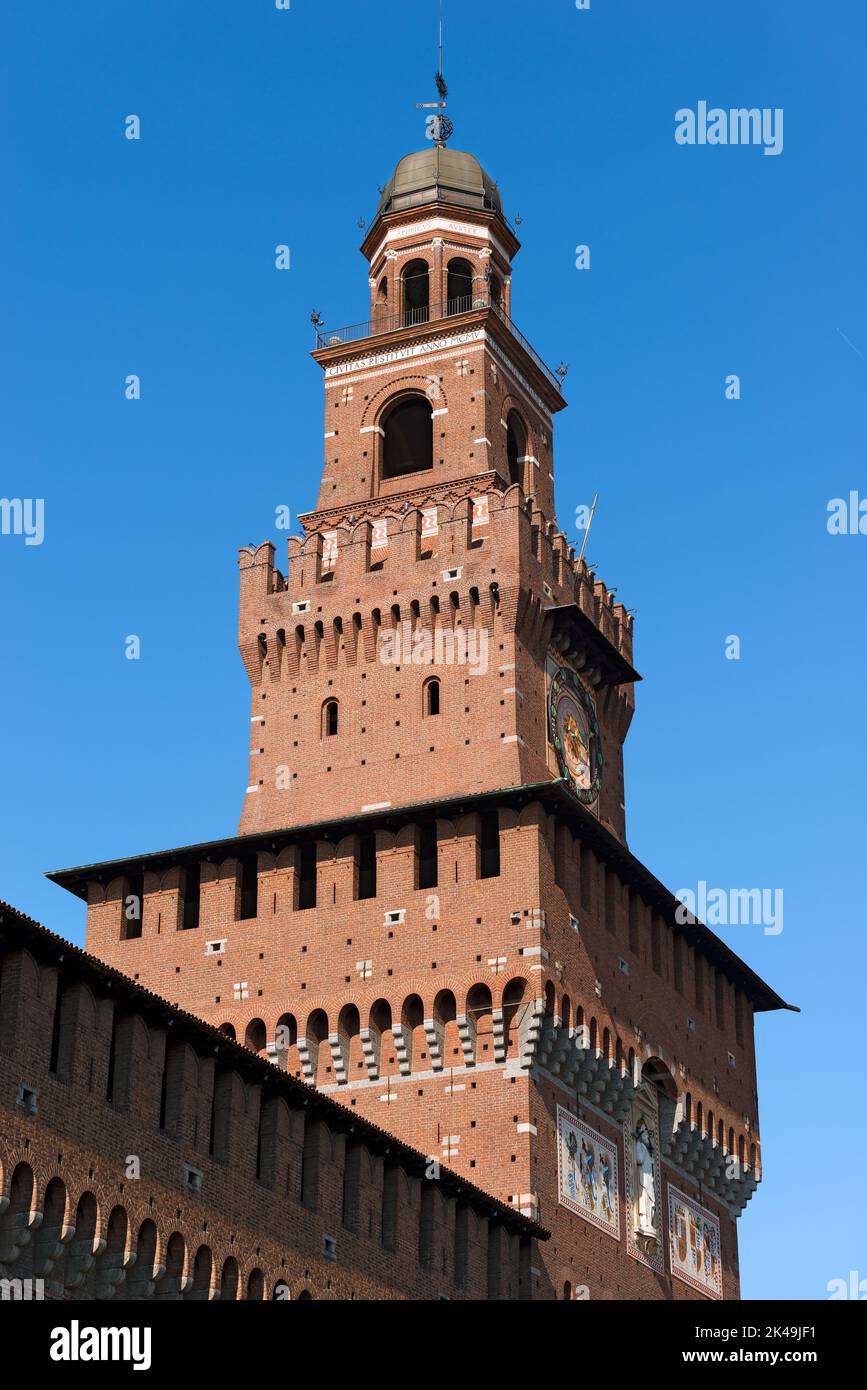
x=156, y=257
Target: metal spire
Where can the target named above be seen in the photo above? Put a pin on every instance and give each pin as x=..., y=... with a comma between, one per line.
x=438, y=128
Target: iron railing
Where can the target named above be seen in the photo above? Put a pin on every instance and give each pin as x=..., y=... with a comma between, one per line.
x=432, y=313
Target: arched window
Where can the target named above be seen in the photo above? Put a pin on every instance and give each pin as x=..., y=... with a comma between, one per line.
x=412, y=1022
x=496, y=290
x=317, y=1026
x=286, y=1032
x=229, y=1280
x=380, y=1017
x=445, y=1007
x=203, y=1276
x=169, y=1287
x=416, y=293
x=348, y=1022
x=254, y=1037
x=460, y=287
x=432, y=697
x=479, y=1010
x=408, y=443
x=330, y=718
x=515, y=997
x=382, y=291
x=516, y=446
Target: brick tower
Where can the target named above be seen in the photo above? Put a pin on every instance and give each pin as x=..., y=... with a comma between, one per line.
x=430, y=911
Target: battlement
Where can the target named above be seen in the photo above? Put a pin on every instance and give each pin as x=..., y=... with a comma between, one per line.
x=435, y=540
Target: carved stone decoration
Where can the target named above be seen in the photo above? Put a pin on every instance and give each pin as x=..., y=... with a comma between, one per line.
x=644, y=1236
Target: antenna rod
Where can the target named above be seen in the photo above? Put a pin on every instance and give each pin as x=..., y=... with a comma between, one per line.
x=589, y=524
x=438, y=128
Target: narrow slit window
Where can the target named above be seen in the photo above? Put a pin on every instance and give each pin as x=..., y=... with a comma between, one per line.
x=489, y=844
x=427, y=855
x=133, y=908
x=192, y=896
x=307, y=877
x=249, y=898
x=367, y=866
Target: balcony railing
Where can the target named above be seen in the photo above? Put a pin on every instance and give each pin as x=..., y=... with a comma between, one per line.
x=433, y=313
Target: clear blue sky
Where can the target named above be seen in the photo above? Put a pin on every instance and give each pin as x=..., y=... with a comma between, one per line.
x=155, y=257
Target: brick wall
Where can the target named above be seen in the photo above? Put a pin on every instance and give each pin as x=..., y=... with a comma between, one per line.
x=100, y=1123
x=504, y=971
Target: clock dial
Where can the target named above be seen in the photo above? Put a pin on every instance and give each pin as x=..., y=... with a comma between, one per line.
x=574, y=732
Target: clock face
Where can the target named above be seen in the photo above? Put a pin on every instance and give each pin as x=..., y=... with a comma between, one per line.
x=574, y=732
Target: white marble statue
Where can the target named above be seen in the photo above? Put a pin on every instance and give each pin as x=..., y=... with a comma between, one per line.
x=646, y=1180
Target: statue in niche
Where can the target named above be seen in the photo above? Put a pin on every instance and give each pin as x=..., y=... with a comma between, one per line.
x=646, y=1180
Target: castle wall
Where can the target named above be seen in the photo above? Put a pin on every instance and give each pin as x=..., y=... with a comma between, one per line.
x=104, y=1112
x=522, y=1003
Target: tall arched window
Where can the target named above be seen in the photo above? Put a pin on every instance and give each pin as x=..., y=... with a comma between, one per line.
x=516, y=446
x=416, y=293
x=432, y=697
x=408, y=443
x=460, y=286
x=330, y=718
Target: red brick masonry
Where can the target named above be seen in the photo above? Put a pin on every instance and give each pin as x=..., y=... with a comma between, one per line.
x=145, y=1155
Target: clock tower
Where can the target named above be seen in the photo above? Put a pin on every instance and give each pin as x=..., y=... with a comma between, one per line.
x=424, y=612
x=431, y=911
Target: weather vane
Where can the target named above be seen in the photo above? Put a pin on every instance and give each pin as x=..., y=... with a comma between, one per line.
x=438, y=128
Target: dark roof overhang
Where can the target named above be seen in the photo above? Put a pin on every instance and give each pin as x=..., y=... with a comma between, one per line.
x=576, y=634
